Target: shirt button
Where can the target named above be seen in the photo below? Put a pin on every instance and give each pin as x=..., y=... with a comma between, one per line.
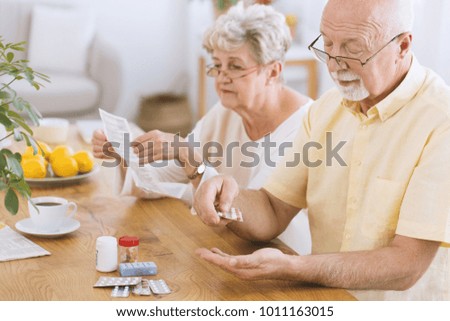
x=353, y=200
x=363, y=126
x=347, y=236
x=358, y=163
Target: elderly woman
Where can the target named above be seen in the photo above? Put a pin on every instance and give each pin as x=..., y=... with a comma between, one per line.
x=242, y=134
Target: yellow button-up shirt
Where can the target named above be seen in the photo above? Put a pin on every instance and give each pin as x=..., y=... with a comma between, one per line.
x=366, y=178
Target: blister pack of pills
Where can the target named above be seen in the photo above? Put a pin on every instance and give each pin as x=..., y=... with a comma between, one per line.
x=120, y=292
x=106, y=281
x=143, y=288
x=159, y=286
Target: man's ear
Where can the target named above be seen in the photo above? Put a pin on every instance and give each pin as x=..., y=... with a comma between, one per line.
x=405, y=44
x=274, y=72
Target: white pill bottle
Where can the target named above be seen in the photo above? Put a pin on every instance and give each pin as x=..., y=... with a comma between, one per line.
x=106, y=257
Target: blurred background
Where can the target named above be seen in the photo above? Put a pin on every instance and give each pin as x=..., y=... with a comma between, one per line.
x=142, y=59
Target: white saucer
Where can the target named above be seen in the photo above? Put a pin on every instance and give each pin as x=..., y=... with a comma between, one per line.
x=27, y=226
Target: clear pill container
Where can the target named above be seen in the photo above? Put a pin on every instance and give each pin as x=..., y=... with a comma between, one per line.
x=128, y=249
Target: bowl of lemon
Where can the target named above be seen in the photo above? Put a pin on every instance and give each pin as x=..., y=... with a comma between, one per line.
x=60, y=165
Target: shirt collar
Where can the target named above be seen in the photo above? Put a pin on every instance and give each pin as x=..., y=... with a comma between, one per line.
x=398, y=98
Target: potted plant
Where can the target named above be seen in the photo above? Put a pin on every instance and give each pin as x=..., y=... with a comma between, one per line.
x=222, y=6
x=13, y=113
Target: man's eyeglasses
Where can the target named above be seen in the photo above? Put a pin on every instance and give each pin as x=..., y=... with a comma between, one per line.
x=231, y=73
x=325, y=57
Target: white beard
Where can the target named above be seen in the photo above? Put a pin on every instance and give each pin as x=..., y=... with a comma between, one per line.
x=354, y=92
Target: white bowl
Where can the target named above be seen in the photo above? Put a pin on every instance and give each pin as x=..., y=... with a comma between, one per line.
x=52, y=130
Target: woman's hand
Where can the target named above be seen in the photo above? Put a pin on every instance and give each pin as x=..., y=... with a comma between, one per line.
x=101, y=148
x=157, y=145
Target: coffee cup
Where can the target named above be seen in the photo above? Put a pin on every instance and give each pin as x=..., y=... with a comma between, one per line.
x=49, y=212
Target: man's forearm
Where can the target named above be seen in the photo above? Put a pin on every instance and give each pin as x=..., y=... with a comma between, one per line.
x=395, y=267
x=264, y=217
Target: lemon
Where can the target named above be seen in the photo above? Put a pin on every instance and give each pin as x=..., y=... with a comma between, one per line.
x=34, y=167
x=45, y=150
x=37, y=157
x=64, y=166
x=85, y=161
x=29, y=152
x=60, y=151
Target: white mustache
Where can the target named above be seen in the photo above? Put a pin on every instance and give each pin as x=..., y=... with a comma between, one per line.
x=344, y=75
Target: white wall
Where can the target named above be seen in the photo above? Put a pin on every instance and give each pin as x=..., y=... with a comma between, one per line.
x=430, y=35
x=309, y=13
x=200, y=16
x=151, y=38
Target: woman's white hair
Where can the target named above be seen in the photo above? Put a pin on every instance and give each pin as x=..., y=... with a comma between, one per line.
x=260, y=26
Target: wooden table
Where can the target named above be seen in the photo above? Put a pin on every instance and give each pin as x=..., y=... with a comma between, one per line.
x=168, y=234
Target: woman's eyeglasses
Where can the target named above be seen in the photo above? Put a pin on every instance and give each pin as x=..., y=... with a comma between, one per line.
x=231, y=73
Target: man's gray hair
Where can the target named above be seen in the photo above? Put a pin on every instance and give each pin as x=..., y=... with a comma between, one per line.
x=260, y=26
x=401, y=17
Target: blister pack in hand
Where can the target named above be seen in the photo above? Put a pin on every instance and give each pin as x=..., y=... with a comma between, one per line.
x=234, y=214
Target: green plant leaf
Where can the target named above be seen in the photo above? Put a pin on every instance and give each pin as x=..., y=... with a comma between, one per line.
x=14, y=165
x=4, y=95
x=23, y=188
x=17, y=134
x=5, y=121
x=18, y=46
x=2, y=159
x=10, y=56
x=28, y=139
x=18, y=156
x=18, y=103
x=35, y=118
x=11, y=201
x=42, y=76
x=22, y=124
x=29, y=75
x=6, y=152
x=14, y=115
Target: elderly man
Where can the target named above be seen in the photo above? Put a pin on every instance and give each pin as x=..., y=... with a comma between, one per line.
x=380, y=213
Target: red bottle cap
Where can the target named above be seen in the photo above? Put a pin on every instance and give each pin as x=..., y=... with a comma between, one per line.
x=128, y=241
